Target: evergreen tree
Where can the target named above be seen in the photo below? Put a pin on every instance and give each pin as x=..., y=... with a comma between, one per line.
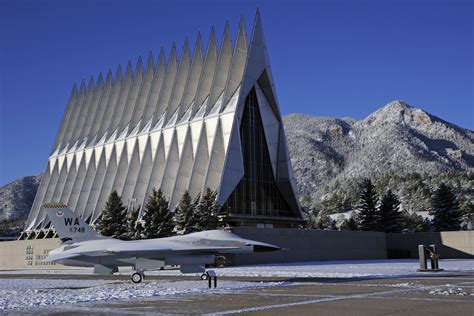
x=369, y=219
x=350, y=224
x=309, y=218
x=414, y=223
x=324, y=221
x=183, y=213
x=445, y=209
x=158, y=220
x=134, y=227
x=113, y=221
x=206, y=212
x=346, y=205
x=468, y=216
x=389, y=213
x=210, y=205
x=340, y=220
x=193, y=224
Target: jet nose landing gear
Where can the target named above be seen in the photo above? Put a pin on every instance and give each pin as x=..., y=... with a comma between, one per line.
x=138, y=277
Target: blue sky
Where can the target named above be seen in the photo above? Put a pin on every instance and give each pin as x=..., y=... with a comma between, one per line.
x=329, y=58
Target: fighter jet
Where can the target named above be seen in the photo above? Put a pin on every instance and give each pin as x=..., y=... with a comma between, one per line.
x=82, y=246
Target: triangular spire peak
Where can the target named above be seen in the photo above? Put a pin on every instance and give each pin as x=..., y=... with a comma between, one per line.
x=90, y=85
x=74, y=89
x=241, y=40
x=100, y=81
x=198, y=42
x=139, y=66
x=212, y=41
x=258, y=64
x=161, y=57
x=82, y=87
x=241, y=22
x=173, y=53
x=185, y=50
x=149, y=62
x=128, y=70
x=109, y=77
x=226, y=33
x=241, y=31
x=257, y=32
x=118, y=73
x=239, y=58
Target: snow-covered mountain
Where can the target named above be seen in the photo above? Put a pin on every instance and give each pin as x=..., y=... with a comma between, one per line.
x=17, y=197
x=394, y=146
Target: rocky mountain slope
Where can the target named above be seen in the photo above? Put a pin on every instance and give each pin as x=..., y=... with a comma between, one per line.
x=17, y=197
x=398, y=146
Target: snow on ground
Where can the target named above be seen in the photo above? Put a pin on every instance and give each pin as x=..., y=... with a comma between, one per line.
x=348, y=214
x=21, y=294
x=449, y=290
x=344, y=269
x=320, y=269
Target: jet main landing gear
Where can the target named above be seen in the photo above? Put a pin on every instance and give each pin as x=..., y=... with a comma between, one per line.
x=138, y=277
x=209, y=275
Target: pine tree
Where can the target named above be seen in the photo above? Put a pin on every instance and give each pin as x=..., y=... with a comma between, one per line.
x=309, y=217
x=134, y=227
x=193, y=224
x=183, y=213
x=325, y=222
x=351, y=224
x=113, y=221
x=210, y=205
x=206, y=212
x=468, y=216
x=158, y=220
x=414, y=223
x=369, y=220
x=389, y=213
x=445, y=209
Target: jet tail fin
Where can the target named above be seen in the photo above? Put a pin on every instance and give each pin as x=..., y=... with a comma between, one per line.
x=70, y=226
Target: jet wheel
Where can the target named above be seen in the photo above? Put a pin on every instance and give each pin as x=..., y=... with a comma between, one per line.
x=137, y=277
x=204, y=276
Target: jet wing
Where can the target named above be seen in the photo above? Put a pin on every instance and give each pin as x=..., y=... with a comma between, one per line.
x=156, y=249
x=60, y=256
x=137, y=250
x=69, y=255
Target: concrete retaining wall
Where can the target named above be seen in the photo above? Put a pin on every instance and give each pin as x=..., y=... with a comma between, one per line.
x=302, y=245
x=27, y=254
x=312, y=245
x=451, y=245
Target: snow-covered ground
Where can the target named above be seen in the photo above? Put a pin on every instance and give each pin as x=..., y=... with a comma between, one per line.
x=21, y=294
x=322, y=269
x=345, y=269
x=348, y=214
